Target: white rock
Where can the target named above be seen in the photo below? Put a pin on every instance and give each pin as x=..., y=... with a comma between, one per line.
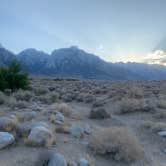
x=57, y=160
x=83, y=162
x=87, y=129
x=27, y=115
x=39, y=124
x=162, y=133
x=41, y=136
x=6, y=139
x=59, y=117
x=77, y=131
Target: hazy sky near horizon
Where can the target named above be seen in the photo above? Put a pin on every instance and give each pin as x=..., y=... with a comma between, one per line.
x=116, y=30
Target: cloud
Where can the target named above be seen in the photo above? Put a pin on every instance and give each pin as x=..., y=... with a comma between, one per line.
x=100, y=47
x=156, y=57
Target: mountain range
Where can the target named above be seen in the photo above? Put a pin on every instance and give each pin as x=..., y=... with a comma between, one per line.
x=76, y=63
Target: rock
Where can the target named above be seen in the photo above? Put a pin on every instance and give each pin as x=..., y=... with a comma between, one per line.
x=23, y=129
x=57, y=159
x=99, y=113
x=40, y=136
x=162, y=133
x=59, y=117
x=83, y=162
x=6, y=139
x=36, y=107
x=77, y=131
x=39, y=124
x=87, y=129
x=8, y=123
x=27, y=116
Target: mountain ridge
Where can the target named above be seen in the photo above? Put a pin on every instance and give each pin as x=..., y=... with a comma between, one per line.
x=77, y=63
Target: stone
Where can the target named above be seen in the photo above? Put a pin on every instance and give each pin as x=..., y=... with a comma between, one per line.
x=162, y=133
x=6, y=139
x=87, y=129
x=77, y=131
x=59, y=117
x=40, y=136
x=27, y=116
x=83, y=162
x=57, y=159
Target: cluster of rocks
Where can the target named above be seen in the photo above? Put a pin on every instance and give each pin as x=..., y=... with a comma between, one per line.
x=57, y=159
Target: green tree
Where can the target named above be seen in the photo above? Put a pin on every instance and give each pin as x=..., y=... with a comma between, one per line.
x=11, y=77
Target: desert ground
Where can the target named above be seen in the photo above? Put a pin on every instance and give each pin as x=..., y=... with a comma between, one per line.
x=95, y=123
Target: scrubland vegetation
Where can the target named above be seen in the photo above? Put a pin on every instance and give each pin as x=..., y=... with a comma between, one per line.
x=113, y=123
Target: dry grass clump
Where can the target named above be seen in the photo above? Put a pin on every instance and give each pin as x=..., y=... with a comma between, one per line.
x=161, y=103
x=154, y=126
x=41, y=91
x=49, y=98
x=117, y=142
x=160, y=114
x=23, y=95
x=64, y=108
x=3, y=98
x=135, y=92
x=8, y=123
x=128, y=105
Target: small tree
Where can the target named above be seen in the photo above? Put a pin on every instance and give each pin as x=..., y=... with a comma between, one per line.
x=11, y=77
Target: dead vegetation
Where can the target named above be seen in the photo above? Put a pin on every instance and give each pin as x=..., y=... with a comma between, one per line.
x=116, y=142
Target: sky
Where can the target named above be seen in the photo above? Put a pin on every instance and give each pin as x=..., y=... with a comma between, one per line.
x=115, y=30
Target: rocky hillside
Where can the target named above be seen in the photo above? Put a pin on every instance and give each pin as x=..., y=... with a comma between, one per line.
x=76, y=63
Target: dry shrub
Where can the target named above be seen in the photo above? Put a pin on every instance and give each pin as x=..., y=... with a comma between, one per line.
x=118, y=143
x=24, y=95
x=11, y=102
x=8, y=123
x=135, y=92
x=41, y=91
x=161, y=103
x=64, y=108
x=160, y=114
x=3, y=98
x=128, y=105
x=49, y=98
x=154, y=126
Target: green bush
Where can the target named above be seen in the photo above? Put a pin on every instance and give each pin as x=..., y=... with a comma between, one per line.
x=12, y=78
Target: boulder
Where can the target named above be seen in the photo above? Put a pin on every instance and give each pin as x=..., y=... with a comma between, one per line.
x=87, y=129
x=57, y=159
x=27, y=116
x=162, y=133
x=40, y=136
x=83, y=162
x=77, y=131
x=6, y=139
x=59, y=117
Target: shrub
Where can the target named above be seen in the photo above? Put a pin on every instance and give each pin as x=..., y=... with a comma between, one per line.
x=128, y=105
x=161, y=103
x=117, y=142
x=154, y=126
x=2, y=98
x=23, y=95
x=11, y=77
x=160, y=114
x=64, y=108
